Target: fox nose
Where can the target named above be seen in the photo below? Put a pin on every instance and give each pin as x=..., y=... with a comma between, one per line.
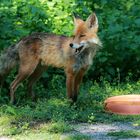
x=71, y=45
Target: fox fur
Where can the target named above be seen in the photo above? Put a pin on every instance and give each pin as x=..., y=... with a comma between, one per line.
x=36, y=52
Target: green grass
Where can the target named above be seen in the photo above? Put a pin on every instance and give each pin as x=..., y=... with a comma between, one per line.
x=78, y=137
x=55, y=127
x=52, y=115
x=125, y=134
x=37, y=135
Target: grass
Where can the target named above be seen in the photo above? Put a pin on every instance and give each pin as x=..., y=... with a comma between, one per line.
x=52, y=115
x=125, y=134
x=78, y=137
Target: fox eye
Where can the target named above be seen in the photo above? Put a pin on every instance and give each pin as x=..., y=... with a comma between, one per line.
x=82, y=35
x=73, y=36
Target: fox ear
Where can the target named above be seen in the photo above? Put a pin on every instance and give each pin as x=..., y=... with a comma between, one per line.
x=92, y=22
x=77, y=20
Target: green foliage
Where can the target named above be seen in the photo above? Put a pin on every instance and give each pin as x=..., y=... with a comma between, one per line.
x=119, y=29
x=89, y=107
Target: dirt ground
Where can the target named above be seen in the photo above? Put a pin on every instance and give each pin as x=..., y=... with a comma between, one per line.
x=99, y=131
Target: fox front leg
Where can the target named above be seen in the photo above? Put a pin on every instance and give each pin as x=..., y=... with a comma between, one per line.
x=70, y=78
x=69, y=85
x=77, y=81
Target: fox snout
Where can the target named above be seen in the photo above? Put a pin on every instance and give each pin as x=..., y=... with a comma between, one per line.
x=78, y=47
x=71, y=45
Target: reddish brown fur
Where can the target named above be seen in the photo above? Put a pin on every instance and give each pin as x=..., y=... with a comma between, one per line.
x=82, y=29
x=40, y=50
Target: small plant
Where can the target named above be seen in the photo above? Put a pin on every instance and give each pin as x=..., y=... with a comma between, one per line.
x=60, y=127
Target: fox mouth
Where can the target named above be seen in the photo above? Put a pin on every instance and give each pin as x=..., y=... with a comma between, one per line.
x=78, y=50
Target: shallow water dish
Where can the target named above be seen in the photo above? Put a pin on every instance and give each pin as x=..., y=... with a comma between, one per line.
x=124, y=104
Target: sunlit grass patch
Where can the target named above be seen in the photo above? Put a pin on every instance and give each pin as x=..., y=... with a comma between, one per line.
x=6, y=127
x=36, y=135
x=60, y=127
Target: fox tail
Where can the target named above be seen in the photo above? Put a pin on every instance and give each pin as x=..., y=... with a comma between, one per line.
x=8, y=59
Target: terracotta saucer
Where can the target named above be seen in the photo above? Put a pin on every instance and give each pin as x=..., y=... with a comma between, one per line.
x=124, y=104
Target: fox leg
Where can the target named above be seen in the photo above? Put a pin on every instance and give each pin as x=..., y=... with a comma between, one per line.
x=69, y=84
x=33, y=78
x=77, y=82
x=25, y=70
x=15, y=84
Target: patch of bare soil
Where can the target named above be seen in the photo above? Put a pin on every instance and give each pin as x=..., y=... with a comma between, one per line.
x=99, y=131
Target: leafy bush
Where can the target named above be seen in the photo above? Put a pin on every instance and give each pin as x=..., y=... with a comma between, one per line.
x=119, y=31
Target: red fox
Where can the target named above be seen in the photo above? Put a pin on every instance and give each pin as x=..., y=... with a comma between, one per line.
x=40, y=50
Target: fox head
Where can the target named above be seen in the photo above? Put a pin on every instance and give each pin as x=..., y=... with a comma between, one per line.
x=85, y=34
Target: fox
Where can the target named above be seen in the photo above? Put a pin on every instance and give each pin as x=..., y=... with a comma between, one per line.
x=36, y=52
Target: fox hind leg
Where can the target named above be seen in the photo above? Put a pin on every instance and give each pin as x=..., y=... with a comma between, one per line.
x=20, y=77
x=33, y=78
x=27, y=66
